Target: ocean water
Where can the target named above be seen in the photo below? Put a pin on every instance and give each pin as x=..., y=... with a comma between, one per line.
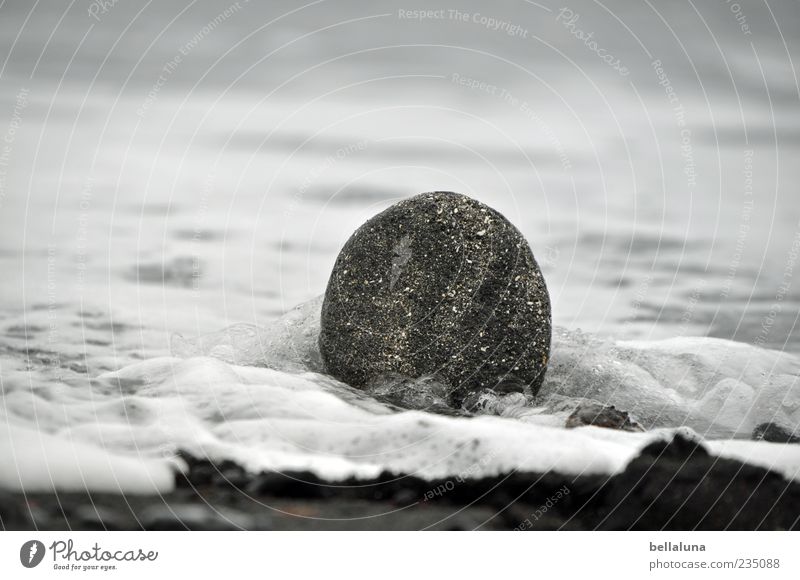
x=176, y=177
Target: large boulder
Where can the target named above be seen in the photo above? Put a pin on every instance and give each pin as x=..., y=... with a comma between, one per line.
x=438, y=284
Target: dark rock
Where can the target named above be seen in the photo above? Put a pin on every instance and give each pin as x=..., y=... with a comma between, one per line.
x=678, y=485
x=232, y=475
x=673, y=484
x=303, y=485
x=774, y=433
x=438, y=284
x=602, y=416
x=198, y=472
x=201, y=473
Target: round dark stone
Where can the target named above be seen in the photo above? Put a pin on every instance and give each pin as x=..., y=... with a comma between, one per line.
x=438, y=284
x=775, y=433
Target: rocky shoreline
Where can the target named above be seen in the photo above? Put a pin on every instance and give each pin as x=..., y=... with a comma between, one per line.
x=673, y=485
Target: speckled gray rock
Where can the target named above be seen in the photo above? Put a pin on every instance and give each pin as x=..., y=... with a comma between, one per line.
x=438, y=284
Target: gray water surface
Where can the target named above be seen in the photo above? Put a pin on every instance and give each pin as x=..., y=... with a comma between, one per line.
x=181, y=166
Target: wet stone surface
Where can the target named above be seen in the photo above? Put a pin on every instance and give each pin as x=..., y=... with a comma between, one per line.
x=438, y=284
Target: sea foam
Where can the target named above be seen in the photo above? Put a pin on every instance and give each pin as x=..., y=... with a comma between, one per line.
x=259, y=396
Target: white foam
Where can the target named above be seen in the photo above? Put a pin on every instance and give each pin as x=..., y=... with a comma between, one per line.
x=784, y=459
x=720, y=388
x=113, y=432
x=35, y=461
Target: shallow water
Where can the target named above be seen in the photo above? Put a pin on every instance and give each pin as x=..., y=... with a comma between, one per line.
x=134, y=209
